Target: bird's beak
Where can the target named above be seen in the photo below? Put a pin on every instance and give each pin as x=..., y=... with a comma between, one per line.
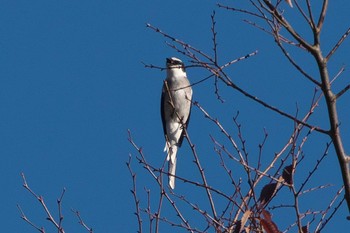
x=168, y=60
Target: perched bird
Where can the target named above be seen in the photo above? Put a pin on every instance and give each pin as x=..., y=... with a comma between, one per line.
x=175, y=110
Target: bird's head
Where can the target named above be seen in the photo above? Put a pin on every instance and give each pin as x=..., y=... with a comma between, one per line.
x=174, y=63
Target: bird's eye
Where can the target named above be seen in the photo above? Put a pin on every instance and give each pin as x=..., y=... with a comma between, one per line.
x=172, y=62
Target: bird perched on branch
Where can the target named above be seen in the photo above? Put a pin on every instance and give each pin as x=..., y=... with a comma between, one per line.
x=175, y=110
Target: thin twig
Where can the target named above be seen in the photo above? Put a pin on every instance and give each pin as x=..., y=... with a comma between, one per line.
x=291, y=60
x=340, y=93
x=322, y=15
x=81, y=221
x=214, y=33
x=185, y=45
x=43, y=204
x=142, y=160
x=201, y=171
x=323, y=221
x=315, y=168
x=263, y=103
x=59, y=204
x=134, y=194
x=24, y=217
x=307, y=19
x=337, y=45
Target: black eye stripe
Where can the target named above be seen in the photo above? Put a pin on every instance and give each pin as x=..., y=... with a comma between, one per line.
x=174, y=62
x=171, y=62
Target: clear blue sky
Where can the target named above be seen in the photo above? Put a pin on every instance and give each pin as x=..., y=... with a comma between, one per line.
x=72, y=83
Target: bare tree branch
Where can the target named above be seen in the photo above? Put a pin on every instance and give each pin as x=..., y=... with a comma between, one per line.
x=322, y=15
x=134, y=194
x=261, y=174
x=24, y=217
x=337, y=45
x=58, y=225
x=81, y=221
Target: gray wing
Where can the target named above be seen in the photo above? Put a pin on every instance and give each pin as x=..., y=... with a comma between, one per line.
x=162, y=110
x=186, y=125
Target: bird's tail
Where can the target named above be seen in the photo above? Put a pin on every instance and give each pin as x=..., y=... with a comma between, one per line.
x=171, y=158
